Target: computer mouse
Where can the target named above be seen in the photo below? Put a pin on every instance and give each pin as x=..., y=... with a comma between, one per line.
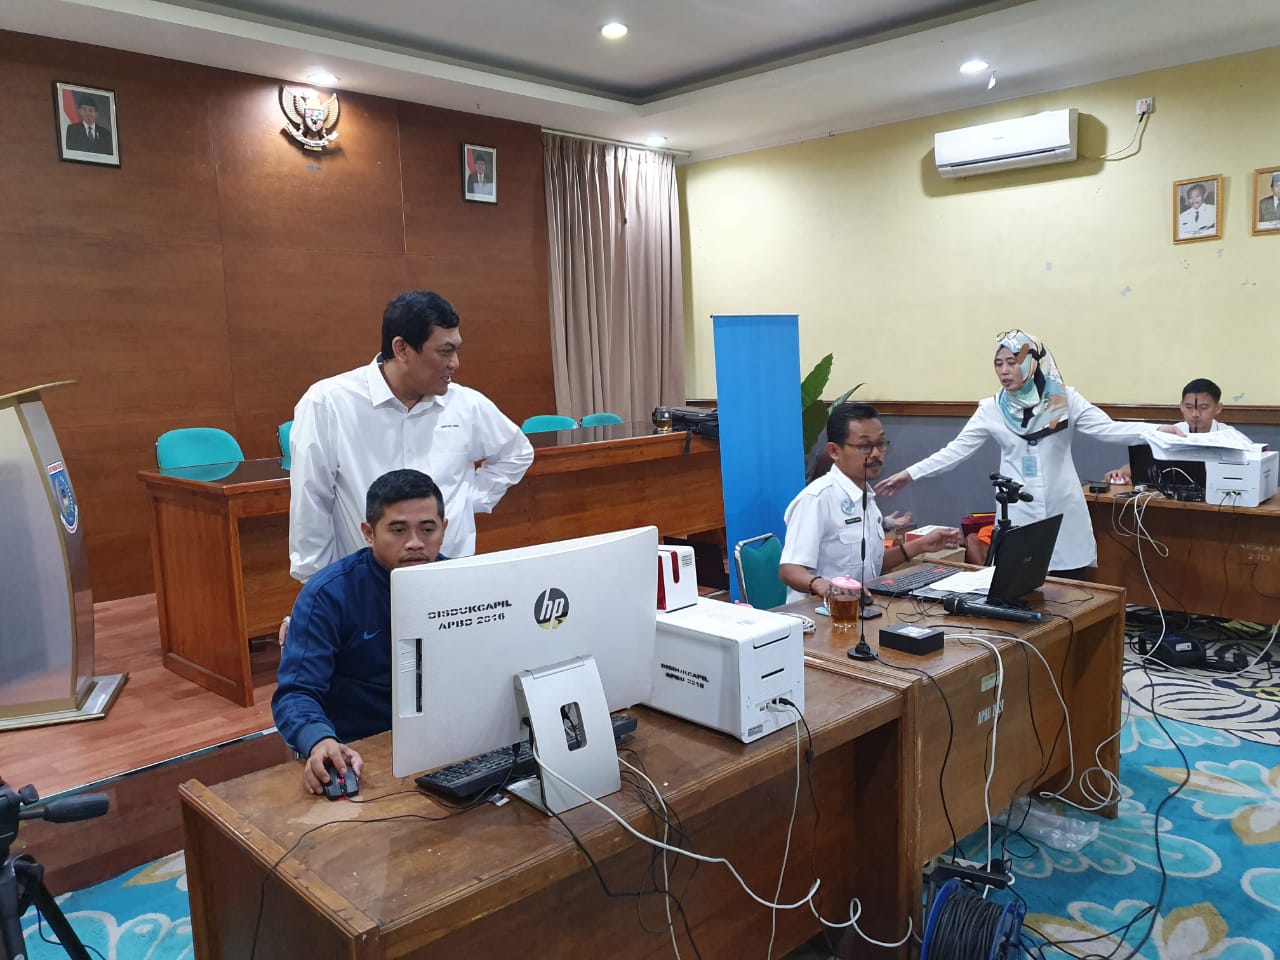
x=345, y=786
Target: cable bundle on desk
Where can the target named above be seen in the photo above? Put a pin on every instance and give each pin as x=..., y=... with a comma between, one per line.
x=963, y=926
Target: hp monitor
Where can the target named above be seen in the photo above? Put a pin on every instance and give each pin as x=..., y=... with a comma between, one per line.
x=463, y=629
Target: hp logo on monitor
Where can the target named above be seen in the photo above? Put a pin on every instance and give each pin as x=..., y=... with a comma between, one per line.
x=551, y=609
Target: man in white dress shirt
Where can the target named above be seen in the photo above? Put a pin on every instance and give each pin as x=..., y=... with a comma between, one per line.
x=401, y=410
x=827, y=526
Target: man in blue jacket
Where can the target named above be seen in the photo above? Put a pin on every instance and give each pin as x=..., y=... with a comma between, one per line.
x=334, y=682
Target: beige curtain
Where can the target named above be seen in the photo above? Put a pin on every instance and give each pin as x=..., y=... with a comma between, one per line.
x=617, y=304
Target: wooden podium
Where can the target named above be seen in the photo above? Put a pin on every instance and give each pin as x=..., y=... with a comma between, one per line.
x=46, y=605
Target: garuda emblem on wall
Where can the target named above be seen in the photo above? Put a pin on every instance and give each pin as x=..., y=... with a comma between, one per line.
x=312, y=122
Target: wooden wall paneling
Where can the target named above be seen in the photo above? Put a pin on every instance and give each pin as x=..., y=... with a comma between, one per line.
x=275, y=194
x=163, y=194
x=295, y=317
x=121, y=321
x=489, y=260
x=222, y=269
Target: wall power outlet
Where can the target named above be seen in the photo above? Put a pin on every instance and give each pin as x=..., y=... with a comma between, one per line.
x=1146, y=105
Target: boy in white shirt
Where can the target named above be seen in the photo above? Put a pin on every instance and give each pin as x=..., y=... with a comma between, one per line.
x=1201, y=406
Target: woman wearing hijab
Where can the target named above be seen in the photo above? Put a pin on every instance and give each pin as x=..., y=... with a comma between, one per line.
x=1033, y=418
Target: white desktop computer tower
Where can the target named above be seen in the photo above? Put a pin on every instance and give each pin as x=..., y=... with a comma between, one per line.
x=721, y=664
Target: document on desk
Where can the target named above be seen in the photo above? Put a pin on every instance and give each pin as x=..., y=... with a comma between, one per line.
x=965, y=581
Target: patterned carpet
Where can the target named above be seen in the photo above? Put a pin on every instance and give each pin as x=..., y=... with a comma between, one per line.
x=141, y=915
x=1199, y=759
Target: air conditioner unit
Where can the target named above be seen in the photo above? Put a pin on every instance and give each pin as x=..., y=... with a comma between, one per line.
x=1048, y=137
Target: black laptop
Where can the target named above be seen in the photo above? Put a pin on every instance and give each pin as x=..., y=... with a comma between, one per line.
x=1022, y=562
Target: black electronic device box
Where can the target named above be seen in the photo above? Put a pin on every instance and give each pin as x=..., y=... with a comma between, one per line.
x=908, y=638
x=1174, y=650
x=1098, y=486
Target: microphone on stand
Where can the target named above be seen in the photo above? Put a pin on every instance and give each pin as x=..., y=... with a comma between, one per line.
x=863, y=651
x=865, y=611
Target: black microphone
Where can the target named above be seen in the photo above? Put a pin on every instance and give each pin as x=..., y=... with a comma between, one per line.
x=973, y=608
x=71, y=809
x=863, y=651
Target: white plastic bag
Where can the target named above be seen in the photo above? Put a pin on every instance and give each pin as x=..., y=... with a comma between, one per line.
x=1049, y=826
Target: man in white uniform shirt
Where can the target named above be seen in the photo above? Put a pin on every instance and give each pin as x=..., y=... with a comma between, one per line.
x=826, y=524
x=402, y=410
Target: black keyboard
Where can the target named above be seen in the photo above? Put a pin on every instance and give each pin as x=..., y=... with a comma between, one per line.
x=470, y=778
x=909, y=580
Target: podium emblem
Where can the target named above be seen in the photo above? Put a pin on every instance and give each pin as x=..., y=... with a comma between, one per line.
x=68, y=512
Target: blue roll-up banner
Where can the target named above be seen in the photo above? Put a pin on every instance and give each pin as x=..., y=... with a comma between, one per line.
x=761, y=435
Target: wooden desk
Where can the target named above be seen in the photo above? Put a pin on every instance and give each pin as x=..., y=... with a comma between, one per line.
x=493, y=881
x=220, y=533
x=1085, y=651
x=219, y=551
x=1223, y=561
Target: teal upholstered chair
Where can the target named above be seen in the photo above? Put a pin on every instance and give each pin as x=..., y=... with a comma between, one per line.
x=544, y=422
x=757, y=560
x=194, y=446
x=600, y=419
x=282, y=434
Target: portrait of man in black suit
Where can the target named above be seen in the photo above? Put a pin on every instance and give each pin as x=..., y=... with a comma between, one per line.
x=479, y=171
x=87, y=131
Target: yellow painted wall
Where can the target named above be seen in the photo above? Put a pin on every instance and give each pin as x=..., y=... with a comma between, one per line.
x=907, y=277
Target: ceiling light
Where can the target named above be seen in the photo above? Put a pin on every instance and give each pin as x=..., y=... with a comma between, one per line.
x=992, y=82
x=322, y=78
x=654, y=140
x=973, y=66
x=613, y=30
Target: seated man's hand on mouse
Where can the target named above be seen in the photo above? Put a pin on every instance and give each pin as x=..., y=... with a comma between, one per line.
x=1119, y=475
x=314, y=774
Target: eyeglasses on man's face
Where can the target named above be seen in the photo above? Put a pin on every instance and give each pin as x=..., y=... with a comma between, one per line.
x=866, y=449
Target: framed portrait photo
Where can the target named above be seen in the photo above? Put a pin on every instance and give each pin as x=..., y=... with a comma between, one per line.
x=1196, y=206
x=1266, y=201
x=479, y=173
x=85, y=124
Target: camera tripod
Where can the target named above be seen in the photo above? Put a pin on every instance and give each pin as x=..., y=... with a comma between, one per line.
x=22, y=878
x=1007, y=491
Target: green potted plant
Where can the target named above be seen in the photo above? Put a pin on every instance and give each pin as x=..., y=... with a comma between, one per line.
x=813, y=412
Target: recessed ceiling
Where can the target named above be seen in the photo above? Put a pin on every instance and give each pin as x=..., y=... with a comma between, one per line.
x=671, y=43
x=713, y=76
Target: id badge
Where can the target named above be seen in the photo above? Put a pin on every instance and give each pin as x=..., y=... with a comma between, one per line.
x=1030, y=466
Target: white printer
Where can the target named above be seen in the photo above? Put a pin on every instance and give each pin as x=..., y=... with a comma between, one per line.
x=1241, y=484
x=720, y=664
x=1237, y=473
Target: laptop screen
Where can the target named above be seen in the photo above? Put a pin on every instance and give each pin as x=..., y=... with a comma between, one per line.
x=1023, y=559
x=1145, y=468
